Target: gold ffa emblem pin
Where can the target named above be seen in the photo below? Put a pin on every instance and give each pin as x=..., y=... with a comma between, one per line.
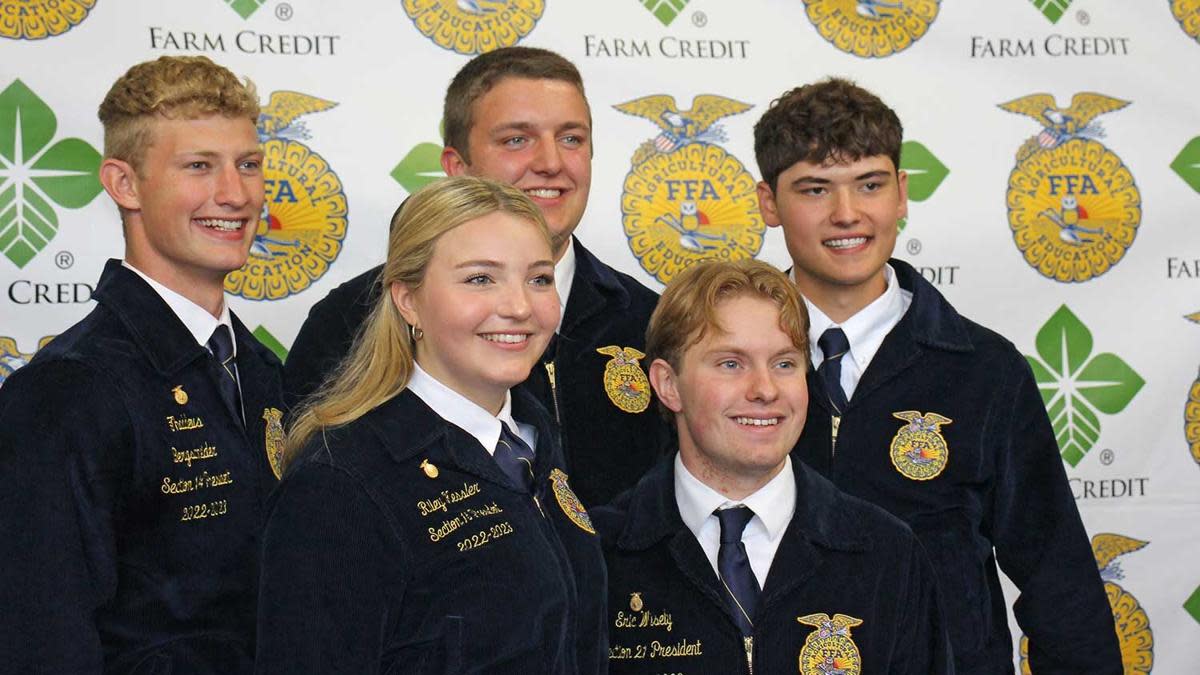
x=569, y=503
x=624, y=380
x=181, y=396
x=635, y=602
x=829, y=648
x=273, y=439
x=918, y=449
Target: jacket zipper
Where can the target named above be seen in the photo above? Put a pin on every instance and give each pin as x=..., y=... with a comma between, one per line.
x=553, y=391
x=748, y=643
x=836, y=421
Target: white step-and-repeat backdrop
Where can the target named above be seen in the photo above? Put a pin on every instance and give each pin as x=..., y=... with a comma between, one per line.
x=1053, y=152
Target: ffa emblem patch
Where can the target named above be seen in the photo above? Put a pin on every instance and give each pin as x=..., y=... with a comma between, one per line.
x=304, y=216
x=181, y=396
x=872, y=28
x=273, y=440
x=569, y=503
x=829, y=649
x=686, y=199
x=635, y=602
x=1133, y=625
x=624, y=380
x=1073, y=206
x=918, y=450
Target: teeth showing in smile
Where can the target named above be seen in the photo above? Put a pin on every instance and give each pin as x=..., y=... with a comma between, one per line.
x=223, y=225
x=506, y=338
x=757, y=422
x=544, y=193
x=846, y=243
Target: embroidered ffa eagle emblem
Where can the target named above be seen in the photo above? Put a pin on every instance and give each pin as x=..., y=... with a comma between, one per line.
x=918, y=450
x=273, y=439
x=569, y=503
x=829, y=649
x=624, y=380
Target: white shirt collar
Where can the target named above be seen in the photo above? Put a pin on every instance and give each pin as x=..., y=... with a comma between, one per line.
x=465, y=414
x=564, y=274
x=195, y=318
x=865, y=330
x=773, y=504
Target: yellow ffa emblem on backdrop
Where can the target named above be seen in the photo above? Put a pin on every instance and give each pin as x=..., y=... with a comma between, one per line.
x=1073, y=206
x=40, y=19
x=1191, y=423
x=569, y=503
x=918, y=450
x=273, y=440
x=1187, y=13
x=12, y=358
x=624, y=380
x=872, y=28
x=1133, y=625
x=474, y=26
x=686, y=199
x=829, y=648
x=304, y=216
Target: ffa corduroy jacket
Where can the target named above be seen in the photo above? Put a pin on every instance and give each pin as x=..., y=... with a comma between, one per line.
x=991, y=490
x=131, y=497
x=606, y=448
x=849, y=588
x=397, y=545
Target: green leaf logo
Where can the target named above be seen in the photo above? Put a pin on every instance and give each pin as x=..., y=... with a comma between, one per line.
x=420, y=167
x=665, y=10
x=925, y=171
x=1053, y=9
x=34, y=174
x=245, y=8
x=1076, y=385
x=1192, y=606
x=1187, y=163
x=270, y=342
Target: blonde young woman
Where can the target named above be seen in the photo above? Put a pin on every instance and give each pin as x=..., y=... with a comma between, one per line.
x=425, y=524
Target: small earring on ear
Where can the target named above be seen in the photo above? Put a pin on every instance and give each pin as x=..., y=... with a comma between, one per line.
x=415, y=333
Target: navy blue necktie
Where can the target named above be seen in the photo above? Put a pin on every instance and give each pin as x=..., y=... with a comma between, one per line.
x=734, y=567
x=834, y=345
x=221, y=346
x=515, y=459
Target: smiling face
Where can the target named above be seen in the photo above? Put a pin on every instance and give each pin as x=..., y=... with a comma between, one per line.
x=839, y=221
x=534, y=134
x=486, y=304
x=739, y=397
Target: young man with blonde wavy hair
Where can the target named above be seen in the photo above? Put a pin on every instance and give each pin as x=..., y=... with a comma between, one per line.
x=136, y=448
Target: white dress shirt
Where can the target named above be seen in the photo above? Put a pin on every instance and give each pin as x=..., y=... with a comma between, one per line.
x=564, y=274
x=195, y=318
x=865, y=330
x=773, y=505
x=466, y=415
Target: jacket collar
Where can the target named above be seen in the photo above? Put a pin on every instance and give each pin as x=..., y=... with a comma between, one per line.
x=931, y=320
x=148, y=319
x=653, y=514
x=595, y=289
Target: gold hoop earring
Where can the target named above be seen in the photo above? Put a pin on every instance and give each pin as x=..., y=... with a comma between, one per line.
x=415, y=333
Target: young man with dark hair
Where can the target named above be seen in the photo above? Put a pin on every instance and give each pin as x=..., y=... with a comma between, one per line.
x=519, y=115
x=136, y=449
x=731, y=557
x=917, y=409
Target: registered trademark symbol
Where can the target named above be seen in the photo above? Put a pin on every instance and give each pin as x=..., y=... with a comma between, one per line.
x=283, y=11
x=1083, y=18
x=699, y=19
x=64, y=260
x=1107, y=456
x=913, y=246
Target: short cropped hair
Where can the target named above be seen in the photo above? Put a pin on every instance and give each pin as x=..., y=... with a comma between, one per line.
x=687, y=310
x=486, y=71
x=834, y=119
x=175, y=87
